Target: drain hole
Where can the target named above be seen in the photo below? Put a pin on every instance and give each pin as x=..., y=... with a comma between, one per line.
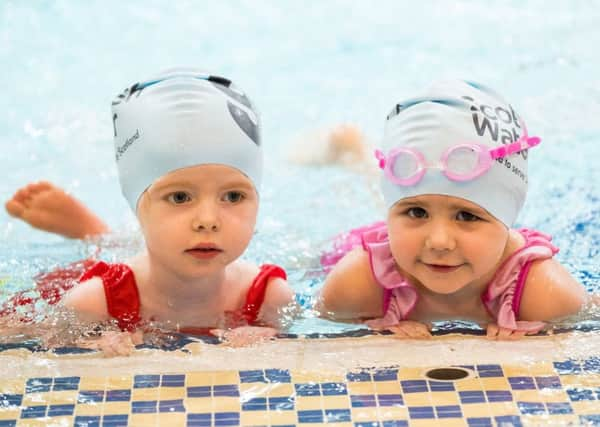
x=447, y=374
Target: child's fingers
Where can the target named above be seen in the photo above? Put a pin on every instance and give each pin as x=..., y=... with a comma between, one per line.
x=496, y=332
x=492, y=331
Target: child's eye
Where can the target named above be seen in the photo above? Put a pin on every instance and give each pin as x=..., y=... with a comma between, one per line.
x=416, y=213
x=179, y=197
x=466, y=216
x=233, y=197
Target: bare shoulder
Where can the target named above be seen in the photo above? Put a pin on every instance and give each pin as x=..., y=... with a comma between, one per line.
x=350, y=291
x=88, y=300
x=550, y=292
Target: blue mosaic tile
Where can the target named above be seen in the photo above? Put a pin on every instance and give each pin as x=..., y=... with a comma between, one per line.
x=337, y=415
x=66, y=383
x=173, y=380
x=592, y=365
x=33, y=411
x=577, y=394
x=479, y=422
x=90, y=396
x=144, y=407
x=37, y=385
x=521, y=383
x=255, y=404
x=119, y=420
x=8, y=423
x=310, y=416
x=118, y=395
x=60, y=410
x=175, y=405
x=359, y=376
x=420, y=412
x=414, y=386
x=509, y=420
x=199, y=420
x=395, y=423
x=7, y=400
x=548, y=382
x=254, y=376
x=555, y=408
x=307, y=389
x=390, y=400
x=333, y=389
x=448, y=411
x=488, y=371
x=441, y=386
x=227, y=419
x=226, y=390
x=199, y=391
x=278, y=375
x=281, y=403
x=590, y=420
x=567, y=367
x=362, y=400
x=474, y=396
x=531, y=408
x=499, y=396
x=86, y=421
x=146, y=381
x=367, y=424
x=386, y=374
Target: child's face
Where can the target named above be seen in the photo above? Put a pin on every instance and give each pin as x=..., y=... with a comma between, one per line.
x=199, y=219
x=444, y=242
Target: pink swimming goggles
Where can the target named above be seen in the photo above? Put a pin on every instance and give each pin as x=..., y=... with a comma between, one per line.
x=463, y=162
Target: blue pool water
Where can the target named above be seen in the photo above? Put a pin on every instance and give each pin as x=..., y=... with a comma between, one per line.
x=307, y=66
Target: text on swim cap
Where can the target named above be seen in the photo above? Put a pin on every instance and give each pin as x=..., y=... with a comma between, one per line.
x=500, y=123
x=128, y=142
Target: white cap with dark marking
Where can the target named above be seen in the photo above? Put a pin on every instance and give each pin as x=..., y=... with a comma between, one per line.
x=453, y=112
x=179, y=118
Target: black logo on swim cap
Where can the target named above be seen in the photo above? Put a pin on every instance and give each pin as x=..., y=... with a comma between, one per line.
x=232, y=93
x=244, y=122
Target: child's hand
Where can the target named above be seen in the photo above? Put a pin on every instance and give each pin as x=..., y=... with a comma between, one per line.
x=244, y=335
x=495, y=332
x=113, y=343
x=408, y=329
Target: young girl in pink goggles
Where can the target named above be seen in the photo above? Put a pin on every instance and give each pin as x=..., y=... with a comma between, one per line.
x=454, y=180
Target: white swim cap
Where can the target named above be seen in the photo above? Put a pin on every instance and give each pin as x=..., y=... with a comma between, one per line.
x=450, y=113
x=183, y=117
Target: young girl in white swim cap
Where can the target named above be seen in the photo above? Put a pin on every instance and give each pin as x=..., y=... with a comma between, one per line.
x=187, y=147
x=454, y=178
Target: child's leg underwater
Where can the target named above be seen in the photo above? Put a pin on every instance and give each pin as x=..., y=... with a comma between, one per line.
x=49, y=208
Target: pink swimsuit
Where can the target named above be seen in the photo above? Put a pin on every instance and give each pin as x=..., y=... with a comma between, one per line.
x=502, y=297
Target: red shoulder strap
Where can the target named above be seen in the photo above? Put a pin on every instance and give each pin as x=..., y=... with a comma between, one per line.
x=256, y=293
x=120, y=289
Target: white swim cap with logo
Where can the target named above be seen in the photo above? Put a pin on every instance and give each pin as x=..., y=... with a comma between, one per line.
x=179, y=118
x=450, y=113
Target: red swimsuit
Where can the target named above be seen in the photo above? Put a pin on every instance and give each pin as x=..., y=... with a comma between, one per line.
x=122, y=296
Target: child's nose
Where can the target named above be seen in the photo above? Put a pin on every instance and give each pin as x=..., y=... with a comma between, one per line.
x=440, y=237
x=206, y=218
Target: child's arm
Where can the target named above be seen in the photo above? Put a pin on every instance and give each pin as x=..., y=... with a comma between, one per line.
x=88, y=300
x=278, y=297
x=550, y=292
x=276, y=310
x=350, y=291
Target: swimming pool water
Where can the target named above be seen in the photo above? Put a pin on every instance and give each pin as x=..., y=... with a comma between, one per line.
x=307, y=66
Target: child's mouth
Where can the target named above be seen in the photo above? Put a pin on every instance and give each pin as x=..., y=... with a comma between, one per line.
x=204, y=252
x=440, y=268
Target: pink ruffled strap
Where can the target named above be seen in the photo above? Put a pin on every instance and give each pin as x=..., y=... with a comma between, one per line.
x=503, y=294
x=400, y=297
x=345, y=242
